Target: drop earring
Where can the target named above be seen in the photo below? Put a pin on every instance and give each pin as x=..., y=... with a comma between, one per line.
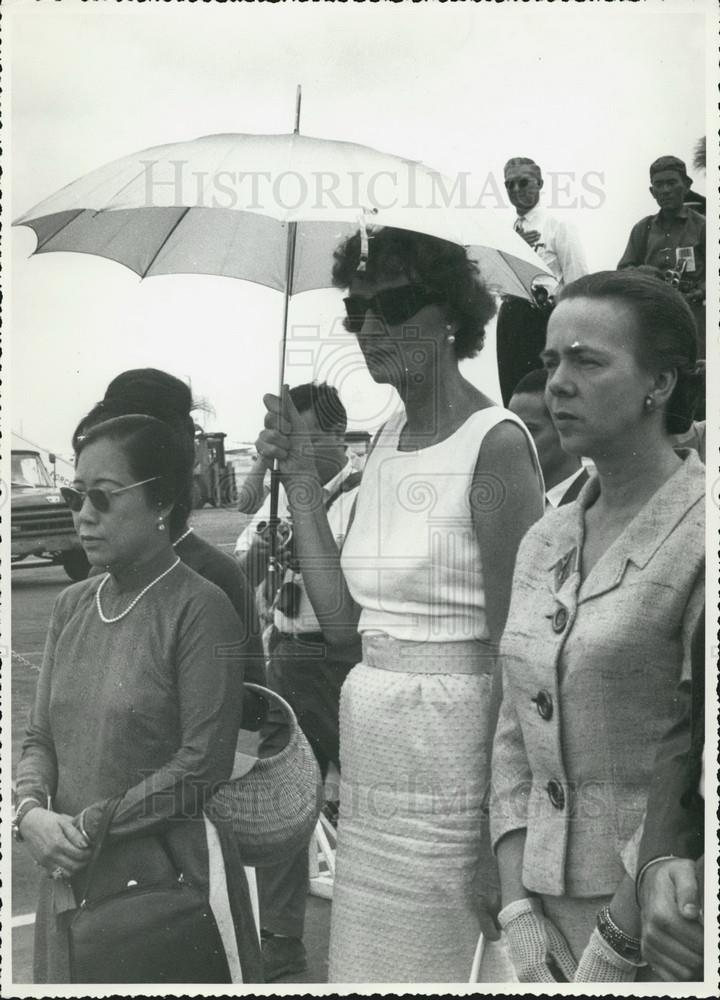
x=451, y=336
x=160, y=524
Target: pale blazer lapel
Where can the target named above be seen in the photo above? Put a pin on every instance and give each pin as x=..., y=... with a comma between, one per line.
x=637, y=543
x=647, y=531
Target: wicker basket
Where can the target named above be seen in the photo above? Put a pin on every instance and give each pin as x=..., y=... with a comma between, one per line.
x=274, y=807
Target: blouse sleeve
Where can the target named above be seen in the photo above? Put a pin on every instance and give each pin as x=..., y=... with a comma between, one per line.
x=209, y=674
x=37, y=772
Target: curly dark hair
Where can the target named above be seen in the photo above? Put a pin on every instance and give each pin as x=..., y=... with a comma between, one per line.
x=666, y=332
x=438, y=265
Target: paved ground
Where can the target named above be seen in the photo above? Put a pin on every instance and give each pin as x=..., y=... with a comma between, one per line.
x=33, y=594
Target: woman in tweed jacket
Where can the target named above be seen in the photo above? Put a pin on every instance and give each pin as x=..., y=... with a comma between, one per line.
x=605, y=596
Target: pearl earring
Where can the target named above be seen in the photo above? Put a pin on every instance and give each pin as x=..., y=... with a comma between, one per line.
x=450, y=336
x=161, y=524
x=649, y=403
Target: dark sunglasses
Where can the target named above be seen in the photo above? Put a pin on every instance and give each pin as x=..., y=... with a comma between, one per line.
x=394, y=305
x=100, y=499
x=521, y=182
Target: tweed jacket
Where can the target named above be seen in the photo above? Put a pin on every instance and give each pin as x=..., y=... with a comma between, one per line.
x=590, y=674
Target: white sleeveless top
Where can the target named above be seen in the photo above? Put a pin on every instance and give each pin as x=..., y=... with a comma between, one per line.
x=412, y=559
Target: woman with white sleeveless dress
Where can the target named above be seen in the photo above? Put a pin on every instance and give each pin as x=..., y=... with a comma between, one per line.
x=449, y=489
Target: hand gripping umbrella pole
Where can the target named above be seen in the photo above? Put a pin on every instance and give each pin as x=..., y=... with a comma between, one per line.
x=275, y=570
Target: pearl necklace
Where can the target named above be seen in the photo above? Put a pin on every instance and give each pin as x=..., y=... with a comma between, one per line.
x=128, y=609
x=183, y=536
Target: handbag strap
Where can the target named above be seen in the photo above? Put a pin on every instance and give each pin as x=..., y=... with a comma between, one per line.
x=108, y=815
x=109, y=811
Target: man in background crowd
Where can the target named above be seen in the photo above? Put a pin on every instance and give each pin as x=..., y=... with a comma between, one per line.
x=564, y=474
x=521, y=326
x=302, y=668
x=671, y=244
x=555, y=242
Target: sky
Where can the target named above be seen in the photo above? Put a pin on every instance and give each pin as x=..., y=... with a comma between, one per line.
x=596, y=91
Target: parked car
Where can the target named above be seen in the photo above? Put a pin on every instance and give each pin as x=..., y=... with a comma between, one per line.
x=41, y=524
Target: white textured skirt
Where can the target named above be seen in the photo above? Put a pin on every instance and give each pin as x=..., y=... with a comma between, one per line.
x=411, y=841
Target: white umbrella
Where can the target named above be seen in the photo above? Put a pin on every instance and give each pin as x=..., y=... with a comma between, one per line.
x=269, y=209
x=221, y=205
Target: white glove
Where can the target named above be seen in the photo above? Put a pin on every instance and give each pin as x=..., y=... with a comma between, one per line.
x=600, y=963
x=535, y=943
x=560, y=950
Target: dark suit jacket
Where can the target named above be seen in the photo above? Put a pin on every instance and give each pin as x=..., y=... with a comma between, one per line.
x=675, y=811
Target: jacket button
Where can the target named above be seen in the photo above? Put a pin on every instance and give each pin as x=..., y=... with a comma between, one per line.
x=559, y=619
x=556, y=794
x=544, y=704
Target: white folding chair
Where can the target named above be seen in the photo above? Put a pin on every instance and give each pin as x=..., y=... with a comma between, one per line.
x=322, y=858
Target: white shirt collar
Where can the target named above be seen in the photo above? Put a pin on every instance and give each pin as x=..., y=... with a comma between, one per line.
x=534, y=216
x=332, y=484
x=555, y=494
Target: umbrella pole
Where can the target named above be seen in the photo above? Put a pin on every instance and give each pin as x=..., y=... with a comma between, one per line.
x=274, y=574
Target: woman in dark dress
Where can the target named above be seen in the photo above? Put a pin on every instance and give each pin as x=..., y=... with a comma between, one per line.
x=140, y=695
x=163, y=396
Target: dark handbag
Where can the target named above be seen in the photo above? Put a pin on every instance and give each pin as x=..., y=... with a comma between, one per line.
x=162, y=932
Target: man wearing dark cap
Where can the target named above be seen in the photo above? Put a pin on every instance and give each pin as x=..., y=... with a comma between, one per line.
x=671, y=244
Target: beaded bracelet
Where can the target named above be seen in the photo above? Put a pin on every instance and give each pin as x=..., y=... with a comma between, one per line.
x=625, y=945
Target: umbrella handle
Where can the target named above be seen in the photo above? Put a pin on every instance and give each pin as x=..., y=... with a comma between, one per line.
x=274, y=575
x=273, y=569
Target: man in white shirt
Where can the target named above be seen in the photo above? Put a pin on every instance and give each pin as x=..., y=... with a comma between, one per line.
x=302, y=667
x=555, y=242
x=521, y=326
x=564, y=474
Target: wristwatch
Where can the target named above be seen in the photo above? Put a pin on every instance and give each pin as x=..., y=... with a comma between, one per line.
x=21, y=810
x=623, y=944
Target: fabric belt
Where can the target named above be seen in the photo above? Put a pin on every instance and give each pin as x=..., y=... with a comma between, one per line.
x=312, y=645
x=466, y=657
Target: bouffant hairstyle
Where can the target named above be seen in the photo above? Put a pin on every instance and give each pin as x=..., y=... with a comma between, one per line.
x=144, y=390
x=157, y=394
x=324, y=401
x=666, y=332
x=441, y=267
x=152, y=449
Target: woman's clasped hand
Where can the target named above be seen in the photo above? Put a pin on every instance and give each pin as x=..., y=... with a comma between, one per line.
x=55, y=842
